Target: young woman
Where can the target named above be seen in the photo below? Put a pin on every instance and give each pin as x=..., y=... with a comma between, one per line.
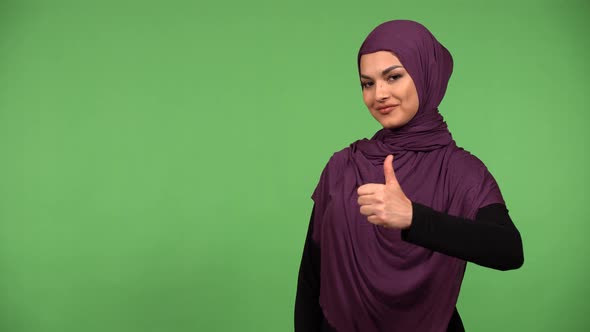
x=397, y=217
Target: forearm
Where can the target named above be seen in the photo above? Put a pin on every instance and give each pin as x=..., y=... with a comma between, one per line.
x=308, y=313
x=491, y=240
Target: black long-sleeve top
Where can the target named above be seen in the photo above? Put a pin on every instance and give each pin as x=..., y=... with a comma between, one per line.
x=491, y=240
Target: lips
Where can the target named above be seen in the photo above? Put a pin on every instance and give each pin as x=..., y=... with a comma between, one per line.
x=386, y=109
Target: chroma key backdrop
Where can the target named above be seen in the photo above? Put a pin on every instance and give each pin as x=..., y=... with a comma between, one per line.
x=158, y=157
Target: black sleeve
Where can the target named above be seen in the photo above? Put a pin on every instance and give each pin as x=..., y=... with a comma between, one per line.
x=308, y=314
x=491, y=240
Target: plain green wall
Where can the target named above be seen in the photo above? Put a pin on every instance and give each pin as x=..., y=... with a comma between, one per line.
x=157, y=158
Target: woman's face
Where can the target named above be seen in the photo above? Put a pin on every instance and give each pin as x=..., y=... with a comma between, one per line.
x=388, y=90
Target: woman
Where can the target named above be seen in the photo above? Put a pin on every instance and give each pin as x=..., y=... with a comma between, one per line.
x=397, y=217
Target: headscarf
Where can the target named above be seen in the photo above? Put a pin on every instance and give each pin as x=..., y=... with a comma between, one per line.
x=371, y=279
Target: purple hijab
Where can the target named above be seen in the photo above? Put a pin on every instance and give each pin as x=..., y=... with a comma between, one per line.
x=371, y=279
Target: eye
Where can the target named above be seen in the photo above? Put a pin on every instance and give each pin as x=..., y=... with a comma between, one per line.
x=394, y=77
x=365, y=85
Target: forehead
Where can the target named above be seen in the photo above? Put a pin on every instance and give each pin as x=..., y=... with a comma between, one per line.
x=377, y=61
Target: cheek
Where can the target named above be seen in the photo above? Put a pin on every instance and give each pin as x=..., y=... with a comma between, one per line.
x=367, y=98
x=414, y=103
x=411, y=97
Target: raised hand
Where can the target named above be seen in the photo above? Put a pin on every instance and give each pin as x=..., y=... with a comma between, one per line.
x=386, y=204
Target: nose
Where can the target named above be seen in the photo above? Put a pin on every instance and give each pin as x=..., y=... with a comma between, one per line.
x=381, y=91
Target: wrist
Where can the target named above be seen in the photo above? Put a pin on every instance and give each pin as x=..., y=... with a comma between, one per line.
x=409, y=215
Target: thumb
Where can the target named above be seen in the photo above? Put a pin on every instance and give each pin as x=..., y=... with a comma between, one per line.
x=388, y=170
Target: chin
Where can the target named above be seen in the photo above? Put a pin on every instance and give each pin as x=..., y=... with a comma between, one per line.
x=394, y=122
x=390, y=124
x=387, y=121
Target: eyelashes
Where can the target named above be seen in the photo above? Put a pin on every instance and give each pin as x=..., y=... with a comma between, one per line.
x=395, y=77
x=390, y=78
x=366, y=85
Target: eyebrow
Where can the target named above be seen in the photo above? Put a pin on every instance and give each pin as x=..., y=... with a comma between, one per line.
x=384, y=72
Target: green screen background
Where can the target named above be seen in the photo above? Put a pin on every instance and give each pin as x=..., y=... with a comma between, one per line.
x=157, y=158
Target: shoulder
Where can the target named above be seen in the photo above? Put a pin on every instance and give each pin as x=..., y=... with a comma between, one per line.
x=464, y=164
x=470, y=176
x=335, y=160
x=339, y=160
x=342, y=156
x=331, y=174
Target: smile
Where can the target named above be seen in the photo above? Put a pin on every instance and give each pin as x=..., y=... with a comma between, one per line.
x=386, y=110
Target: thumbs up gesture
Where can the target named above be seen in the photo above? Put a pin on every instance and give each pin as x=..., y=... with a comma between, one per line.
x=386, y=204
